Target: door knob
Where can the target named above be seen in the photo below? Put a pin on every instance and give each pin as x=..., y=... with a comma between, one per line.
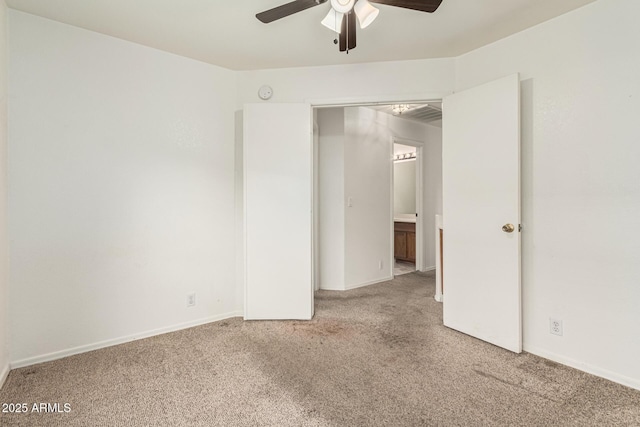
x=508, y=228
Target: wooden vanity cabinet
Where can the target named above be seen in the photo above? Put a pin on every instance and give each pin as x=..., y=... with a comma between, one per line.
x=404, y=241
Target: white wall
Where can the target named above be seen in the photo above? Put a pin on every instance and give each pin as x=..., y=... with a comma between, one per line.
x=331, y=200
x=316, y=199
x=394, y=80
x=121, y=194
x=432, y=191
x=404, y=187
x=4, y=244
x=580, y=182
x=239, y=211
x=368, y=162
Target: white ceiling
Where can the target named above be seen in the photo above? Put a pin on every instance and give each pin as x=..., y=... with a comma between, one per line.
x=226, y=33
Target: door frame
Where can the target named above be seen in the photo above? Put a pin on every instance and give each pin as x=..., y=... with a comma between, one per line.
x=316, y=103
x=419, y=199
x=371, y=100
x=367, y=101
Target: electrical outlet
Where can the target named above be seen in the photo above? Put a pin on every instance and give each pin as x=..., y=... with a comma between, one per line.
x=380, y=264
x=555, y=326
x=191, y=300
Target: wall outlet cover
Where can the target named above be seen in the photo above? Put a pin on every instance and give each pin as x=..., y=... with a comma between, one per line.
x=191, y=300
x=555, y=326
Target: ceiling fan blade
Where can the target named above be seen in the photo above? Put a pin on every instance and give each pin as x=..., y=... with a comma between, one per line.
x=348, y=32
x=420, y=5
x=287, y=9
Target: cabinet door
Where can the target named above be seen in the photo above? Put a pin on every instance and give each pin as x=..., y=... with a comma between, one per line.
x=411, y=246
x=400, y=244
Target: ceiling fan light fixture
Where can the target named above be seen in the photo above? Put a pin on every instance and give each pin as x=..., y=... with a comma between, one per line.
x=342, y=6
x=398, y=109
x=333, y=21
x=365, y=12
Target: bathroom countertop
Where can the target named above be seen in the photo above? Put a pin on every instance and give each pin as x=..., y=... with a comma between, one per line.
x=405, y=218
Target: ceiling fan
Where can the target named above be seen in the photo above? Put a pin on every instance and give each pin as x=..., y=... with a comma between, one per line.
x=342, y=16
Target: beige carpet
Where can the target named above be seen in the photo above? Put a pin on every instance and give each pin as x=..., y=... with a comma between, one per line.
x=375, y=356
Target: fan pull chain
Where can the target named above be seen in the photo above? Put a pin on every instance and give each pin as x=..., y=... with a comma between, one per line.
x=349, y=13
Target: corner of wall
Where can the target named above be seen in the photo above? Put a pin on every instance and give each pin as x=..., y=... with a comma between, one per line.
x=4, y=373
x=4, y=333
x=239, y=212
x=331, y=241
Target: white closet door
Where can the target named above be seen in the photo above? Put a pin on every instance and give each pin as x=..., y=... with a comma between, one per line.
x=278, y=183
x=481, y=203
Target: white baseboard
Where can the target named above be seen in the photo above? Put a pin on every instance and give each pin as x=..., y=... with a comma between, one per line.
x=331, y=289
x=428, y=269
x=4, y=374
x=584, y=367
x=108, y=343
x=373, y=282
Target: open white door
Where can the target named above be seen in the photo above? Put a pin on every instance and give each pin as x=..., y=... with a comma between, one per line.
x=481, y=205
x=278, y=183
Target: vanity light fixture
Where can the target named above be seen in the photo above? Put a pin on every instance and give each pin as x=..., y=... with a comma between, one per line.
x=404, y=156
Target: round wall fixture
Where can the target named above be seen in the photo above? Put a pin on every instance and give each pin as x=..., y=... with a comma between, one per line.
x=265, y=92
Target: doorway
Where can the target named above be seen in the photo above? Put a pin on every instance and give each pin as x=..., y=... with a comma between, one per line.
x=355, y=213
x=406, y=188
x=482, y=123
